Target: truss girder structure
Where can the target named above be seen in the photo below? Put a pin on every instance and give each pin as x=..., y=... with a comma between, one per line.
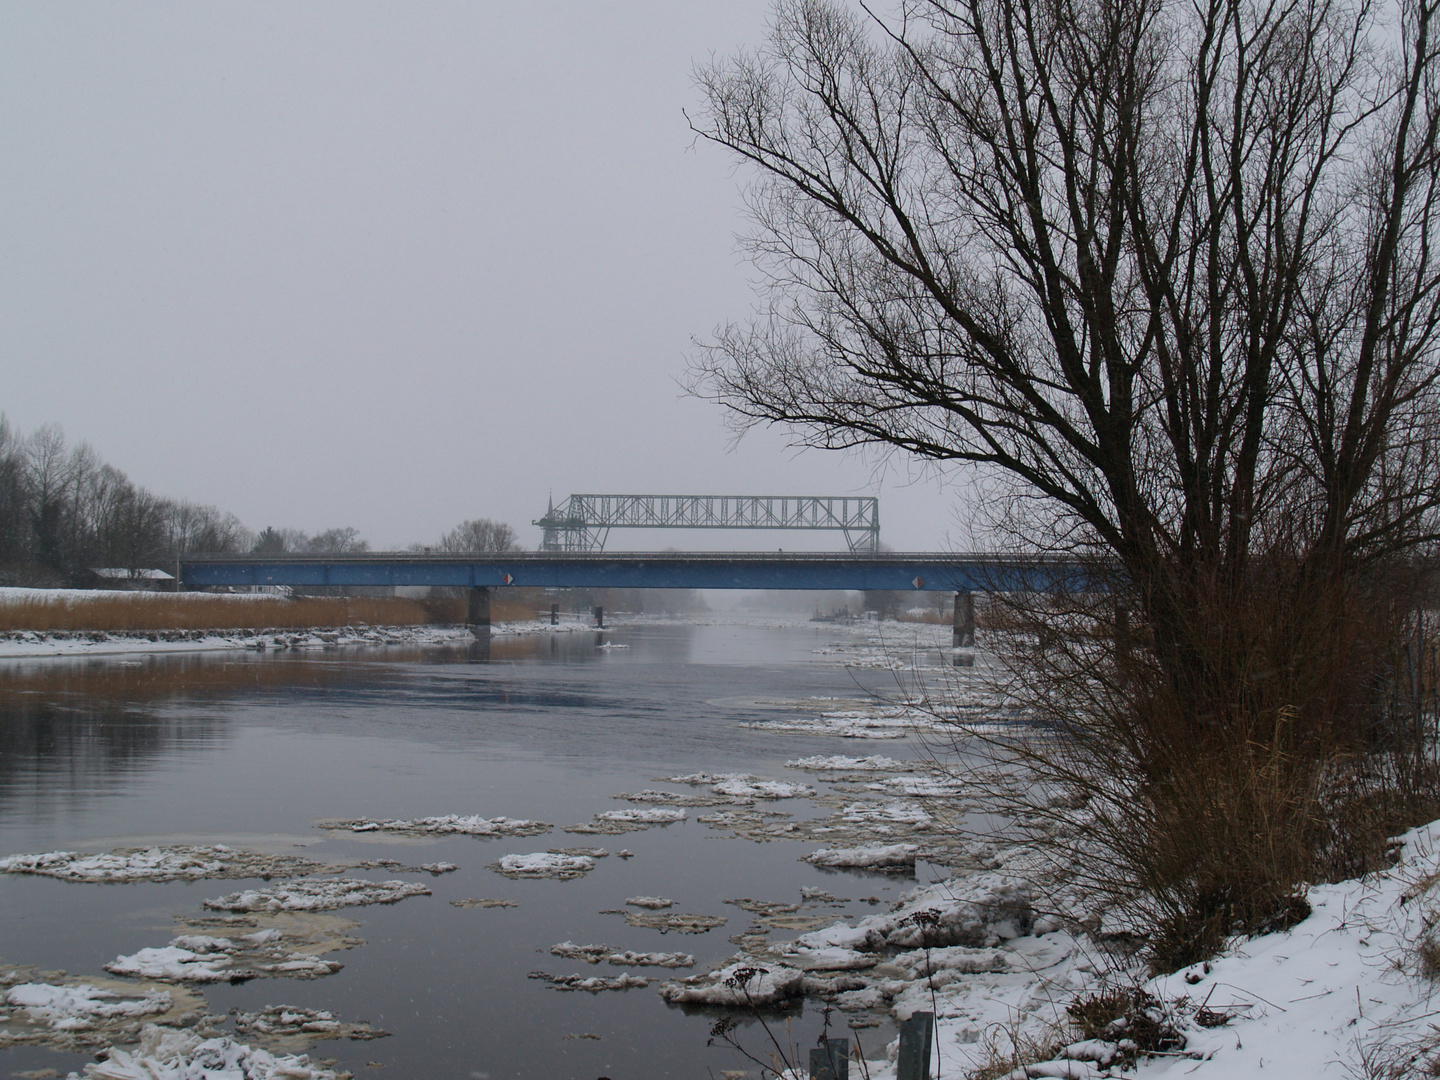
x=583, y=522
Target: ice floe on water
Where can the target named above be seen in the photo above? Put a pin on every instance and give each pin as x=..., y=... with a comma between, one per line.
x=743, y=786
x=597, y=954
x=652, y=902
x=166, y=1054
x=291, y=1027
x=482, y=902
x=666, y=921
x=616, y=822
x=593, y=983
x=181, y=863
x=317, y=895
x=206, y=958
x=444, y=825
x=76, y=1013
x=544, y=864
x=841, y=763
x=883, y=857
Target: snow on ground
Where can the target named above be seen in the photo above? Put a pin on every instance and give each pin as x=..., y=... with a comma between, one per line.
x=317, y=895
x=544, y=864
x=25, y=644
x=1349, y=992
x=180, y=863
x=445, y=825
x=166, y=1054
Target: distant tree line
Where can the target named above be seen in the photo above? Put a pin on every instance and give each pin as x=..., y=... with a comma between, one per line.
x=63, y=510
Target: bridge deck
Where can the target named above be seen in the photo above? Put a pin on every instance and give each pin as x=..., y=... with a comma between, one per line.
x=922, y=571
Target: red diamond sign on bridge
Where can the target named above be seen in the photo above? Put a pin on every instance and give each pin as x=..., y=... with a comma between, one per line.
x=507, y=579
x=918, y=582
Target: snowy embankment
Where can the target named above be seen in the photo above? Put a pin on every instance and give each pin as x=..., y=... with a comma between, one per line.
x=1348, y=992
x=27, y=644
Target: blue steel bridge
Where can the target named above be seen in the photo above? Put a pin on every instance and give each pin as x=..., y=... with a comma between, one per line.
x=960, y=573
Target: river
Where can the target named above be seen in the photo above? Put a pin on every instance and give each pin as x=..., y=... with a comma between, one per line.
x=252, y=750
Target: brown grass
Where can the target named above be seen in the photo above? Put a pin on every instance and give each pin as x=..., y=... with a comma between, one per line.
x=146, y=612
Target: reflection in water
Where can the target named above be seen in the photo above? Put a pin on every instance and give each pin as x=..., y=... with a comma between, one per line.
x=246, y=748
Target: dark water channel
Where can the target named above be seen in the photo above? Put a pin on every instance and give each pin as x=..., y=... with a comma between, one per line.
x=252, y=750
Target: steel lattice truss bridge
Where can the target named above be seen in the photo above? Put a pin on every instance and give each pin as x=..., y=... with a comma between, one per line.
x=582, y=523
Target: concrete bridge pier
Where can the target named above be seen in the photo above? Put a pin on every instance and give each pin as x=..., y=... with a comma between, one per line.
x=963, y=634
x=477, y=610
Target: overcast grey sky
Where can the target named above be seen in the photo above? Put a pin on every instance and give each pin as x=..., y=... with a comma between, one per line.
x=386, y=265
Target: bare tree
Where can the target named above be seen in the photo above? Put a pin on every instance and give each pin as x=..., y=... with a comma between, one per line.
x=479, y=534
x=1160, y=271
x=344, y=541
x=1165, y=268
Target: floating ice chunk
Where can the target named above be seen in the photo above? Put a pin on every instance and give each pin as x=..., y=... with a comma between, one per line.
x=179, y=964
x=898, y=813
x=438, y=868
x=743, y=786
x=182, y=863
x=665, y=921
x=544, y=864
x=445, y=825
x=888, y=858
x=652, y=902
x=591, y=954
x=482, y=901
x=290, y=1022
x=70, y=1008
x=592, y=983
x=654, y=816
x=838, y=762
x=167, y=1054
x=652, y=959
x=739, y=984
x=202, y=958
x=317, y=895
x=762, y=789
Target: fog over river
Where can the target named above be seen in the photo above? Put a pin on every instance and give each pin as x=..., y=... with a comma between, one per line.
x=253, y=751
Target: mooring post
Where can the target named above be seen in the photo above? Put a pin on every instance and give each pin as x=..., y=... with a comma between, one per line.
x=916, y=1034
x=963, y=636
x=830, y=1060
x=554, y=614
x=600, y=616
x=477, y=610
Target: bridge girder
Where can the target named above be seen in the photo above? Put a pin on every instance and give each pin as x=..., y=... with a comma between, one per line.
x=582, y=523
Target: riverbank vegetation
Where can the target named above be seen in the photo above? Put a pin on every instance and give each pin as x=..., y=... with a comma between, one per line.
x=1162, y=278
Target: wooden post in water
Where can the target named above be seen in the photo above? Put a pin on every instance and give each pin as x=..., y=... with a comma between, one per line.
x=477, y=610
x=916, y=1035
x=599, y=616
x=830, y=1060
x=554, y=614
x=963, y=636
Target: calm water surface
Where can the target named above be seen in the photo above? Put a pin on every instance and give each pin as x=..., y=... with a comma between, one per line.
x=253, y=750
